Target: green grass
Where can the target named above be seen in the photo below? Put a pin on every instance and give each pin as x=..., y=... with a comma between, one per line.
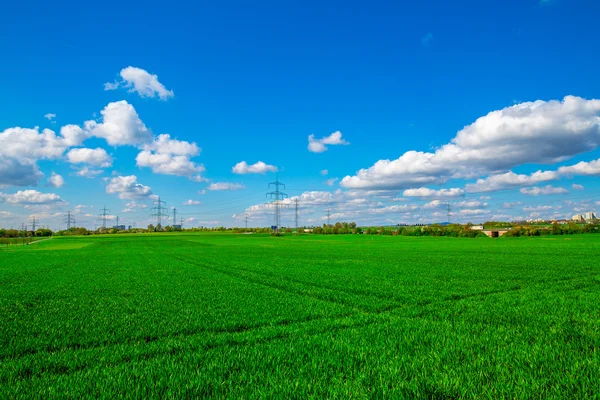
x=249, y=316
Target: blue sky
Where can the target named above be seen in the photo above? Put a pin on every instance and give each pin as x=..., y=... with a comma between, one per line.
x=232, y=82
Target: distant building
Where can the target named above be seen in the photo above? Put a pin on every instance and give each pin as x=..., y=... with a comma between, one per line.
x=589, y=216
x=176, y=226
x=582, y=218
x=120, y=227
x=477, y=228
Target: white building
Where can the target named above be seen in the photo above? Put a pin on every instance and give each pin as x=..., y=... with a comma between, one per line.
x=587, y=217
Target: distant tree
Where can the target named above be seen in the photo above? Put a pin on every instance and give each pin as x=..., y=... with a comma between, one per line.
x=150, y=228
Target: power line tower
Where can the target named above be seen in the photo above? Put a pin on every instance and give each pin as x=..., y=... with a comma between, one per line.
x=181, y=223
x=34, y=222
x=69, y=219
x=23, y=226
x=296, y=207
x=159, y=211
x=174, y=216
x=104, y=213
x=328, y=216
x=246, y=220
x=277, y=197
x=117, y=222
x=448, y=213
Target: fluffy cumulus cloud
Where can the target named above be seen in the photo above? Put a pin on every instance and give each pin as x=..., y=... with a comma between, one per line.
x=56, y=180
x=510, y=180
x=120, y=125
x=531, y=132
x=171, y=157
x=260, y=167
x=21, y=148
x=128, y=188
x=426, y=192
x=320, y=145
x=141, y=82
x=31, y=197
x=97, y=157
x=546, y=190
x=591, y=168
x=219, y=186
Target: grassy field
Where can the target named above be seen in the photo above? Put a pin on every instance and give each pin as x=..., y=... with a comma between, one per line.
x=243, y=316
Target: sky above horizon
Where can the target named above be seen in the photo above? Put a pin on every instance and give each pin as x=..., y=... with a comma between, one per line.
x=381, y=112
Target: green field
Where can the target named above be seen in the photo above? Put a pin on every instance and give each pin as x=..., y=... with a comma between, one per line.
x=243, y=316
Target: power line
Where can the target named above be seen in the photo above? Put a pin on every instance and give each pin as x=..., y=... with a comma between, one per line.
x=34, y=222
x=278, y=196
x=159, y=211
x=104, y=213
x=296, y=206
x=69, y=219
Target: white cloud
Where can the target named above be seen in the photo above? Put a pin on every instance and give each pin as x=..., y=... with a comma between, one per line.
x=56, y=180
x=474, y=204
x=97, y=157
x=31, y=197
x=142, y=82
x=435, y=204
x=258, y=168
x=395, y=209
x=576, y=186
x=546, y=190
x=331, y=182
x=171, y=157
x=73, y=135
x=128, y=188
x=531, y=132
x=426, y=192
x=324, y=172
x=21, y=148
x=510, y=180
x=225, y=186
x=473, y=212
x=169, y=164
x=50, y=116
x=86, y=172
x=583, y=168
x=191, y=202
x=163, y=144
x=319, y=145
x=120, y=125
